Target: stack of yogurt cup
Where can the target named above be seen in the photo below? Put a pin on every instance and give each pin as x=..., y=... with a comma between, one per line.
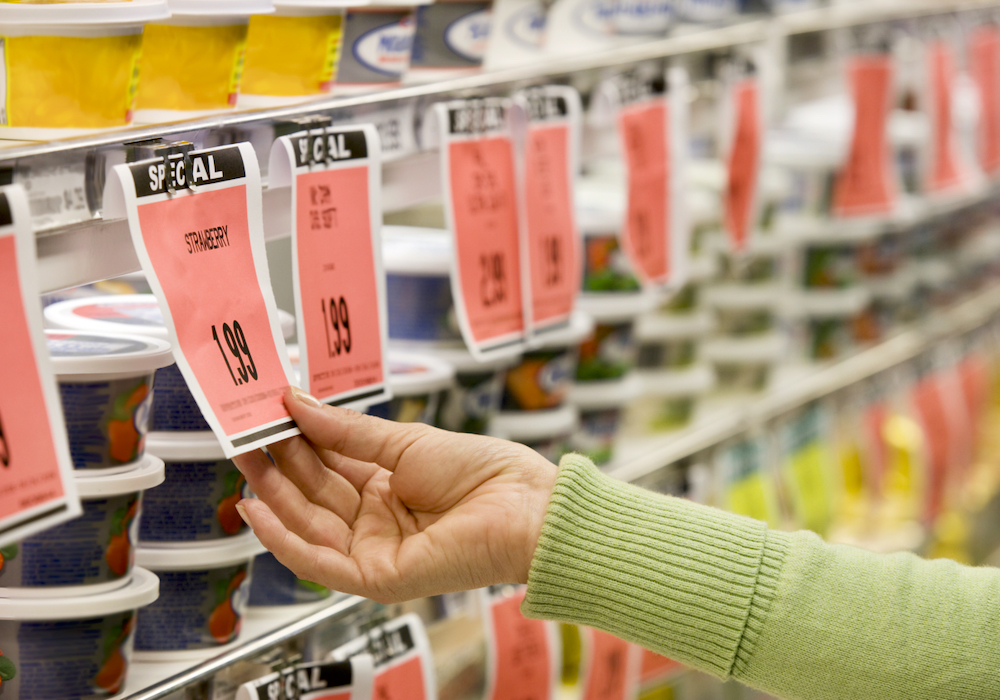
x=193, y=538
x=69, y=595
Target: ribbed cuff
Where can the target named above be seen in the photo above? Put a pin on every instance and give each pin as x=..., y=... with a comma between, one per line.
x=665, y=573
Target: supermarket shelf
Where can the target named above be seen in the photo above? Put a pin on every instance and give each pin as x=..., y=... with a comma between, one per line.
x=730, y=423
x=78, y=246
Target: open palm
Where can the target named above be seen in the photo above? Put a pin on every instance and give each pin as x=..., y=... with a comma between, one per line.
x=395, y=511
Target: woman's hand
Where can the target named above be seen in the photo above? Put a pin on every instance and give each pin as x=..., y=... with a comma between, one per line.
x=394, y=511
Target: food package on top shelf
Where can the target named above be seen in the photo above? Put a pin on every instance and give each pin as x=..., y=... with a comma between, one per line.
x=294, y=54
x=71, y=68
x=575, y=27
x=452, y=38
x=378, y=41
x=192, y=63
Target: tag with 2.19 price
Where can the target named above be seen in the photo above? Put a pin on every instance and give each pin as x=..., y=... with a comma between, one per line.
x=335, y=178
x=197, y=226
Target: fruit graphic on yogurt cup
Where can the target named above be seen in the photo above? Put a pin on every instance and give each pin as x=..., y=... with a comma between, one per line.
x=226, y=513
x=124, y=438
x=7, y=669
x=111, y=677
x=224, y=622
x=118, y=555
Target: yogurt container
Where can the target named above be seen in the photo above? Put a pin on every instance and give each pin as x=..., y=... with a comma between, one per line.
x=293, y=54
x=546, y=432
x=275, y=585
x=811, y=165
x=611, y=350
x=601, y=406
x=105, y=384
x=584, y=26
x=477, y=392
x=192, y=63
x=377, y=46
x=518, y=34
x=600, y=211
x=542, y=379
x=707, y=11
x=743, y=310
x=418, y=285
x=670, y=397
x=197, y=503
x=73, y=647
x=451, y=39
x=90, y=554
x=670, y=341
x=743, y=364
x=203, y=597
x=71, y=68
x=174, y=407
x=418, y=382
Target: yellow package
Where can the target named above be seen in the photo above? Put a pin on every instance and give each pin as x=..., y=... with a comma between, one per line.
x=292, y=56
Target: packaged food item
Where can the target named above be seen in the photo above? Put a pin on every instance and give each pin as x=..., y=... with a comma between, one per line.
x=377, y=45
x=601, y=406
x=418, y=285
x=197, y=502
x=810, y=163
x=106, y=383
x=275, y=585
x=192, y=63
x=671, y=341
x=546, y=432
x=611, y=351
x=71, y=68
x=744, y=364
x=418, y=382
x=174, y=407
x=745, y=310
x=451, y=39
x=87, y=555
x=293, y=54
x=477, y=392
x=600, y=212
x=833, y=322
x=88, y=638
x=582, y=26
x=669, y=398
x=544, y=375
x=203, y=597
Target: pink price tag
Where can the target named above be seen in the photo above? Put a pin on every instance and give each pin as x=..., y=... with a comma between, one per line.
x=36, y=488
x=340, y=295
x=643, y=130
x=553, y=242
x=481, y=207
x=612, y=667
x=654, y=667
x=984, y=67
x=521, y=657
x=944, y=171
x=867, y=185
x=744, y=163
x=202, y=249
x=403, y=662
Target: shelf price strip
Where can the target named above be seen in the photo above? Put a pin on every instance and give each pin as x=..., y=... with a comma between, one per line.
x=197, y=226
x=335, y=176
x=36, y=484
x=350, y=679
x=550, y=239
x=481, y=208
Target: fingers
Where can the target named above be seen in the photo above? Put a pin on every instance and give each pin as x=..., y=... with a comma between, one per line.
x=310, y=562
x=317, y=478
x=360, y=437
x=313, y=523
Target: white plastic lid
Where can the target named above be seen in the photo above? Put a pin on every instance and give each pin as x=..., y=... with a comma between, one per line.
x=677, y=383
x=143, y=588
x=184, y=446
x=124, y=313
x=605, y=394
x=533, y=426
x=132, y=12
x=148, y=474
x=86, y=352
x=318, y=4
x=416, y=250
x=237, y=8
x=700, y=268
x=760, y=349
x=743, y=296
x=226, y=552
x=617, y=307
x=581, y=326
x=412, y=373
x=791, y=230
x=672, y=326
x=465, y=363
x=600, y=206
x=829, y=303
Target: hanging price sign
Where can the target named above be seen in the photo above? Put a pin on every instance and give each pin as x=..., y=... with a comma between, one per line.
x=744, y=162
x=522, y=655
x=984, y=67
x=335, y=176
x=36, y=484
x=657, y=667
x=611, y=666
x=350, y=679
x=477, y=160
x=551, y=239
x=651, y=125
x=403, y=663
x=867, y=183
x=197, y=226
x=944, y=169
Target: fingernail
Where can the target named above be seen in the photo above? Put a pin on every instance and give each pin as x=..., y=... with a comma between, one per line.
x=243, y=514
x=305, y=398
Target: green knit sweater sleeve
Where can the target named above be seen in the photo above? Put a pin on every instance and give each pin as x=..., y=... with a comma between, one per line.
x=783, y=612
